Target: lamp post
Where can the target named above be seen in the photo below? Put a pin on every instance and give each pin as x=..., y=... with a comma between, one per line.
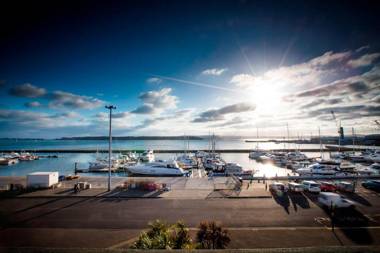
x=110, y=107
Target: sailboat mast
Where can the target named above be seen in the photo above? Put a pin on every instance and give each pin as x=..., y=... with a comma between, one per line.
x=320, y=142
x=353, y=139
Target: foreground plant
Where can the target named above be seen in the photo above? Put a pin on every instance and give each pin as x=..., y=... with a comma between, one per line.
x=163, y=236
x=212, y=236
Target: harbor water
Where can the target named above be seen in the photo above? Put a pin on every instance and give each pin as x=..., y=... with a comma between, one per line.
x=65, y=164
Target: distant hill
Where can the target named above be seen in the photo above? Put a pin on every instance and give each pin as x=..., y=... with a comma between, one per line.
x=133, y=138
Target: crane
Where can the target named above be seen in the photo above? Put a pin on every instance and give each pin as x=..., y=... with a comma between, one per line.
x=339, y=127
x=377, y=123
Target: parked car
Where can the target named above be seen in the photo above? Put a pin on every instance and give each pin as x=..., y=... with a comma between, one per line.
x=277, y=187
x=345, y=186
x=331, y=199
x=311, y=186
x=295, y=187
x=327, y=187
x=372, y=185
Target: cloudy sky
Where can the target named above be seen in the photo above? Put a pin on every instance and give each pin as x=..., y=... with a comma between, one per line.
x=189, y=67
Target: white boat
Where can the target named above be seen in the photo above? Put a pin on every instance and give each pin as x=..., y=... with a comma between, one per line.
x=374, y=157
x=363, y=170
x=328, y=161
x=186, y=161
x=214, y=164
x=101, y=165
x=200, y=154
x=147, y=156
x=158, y=168
x=339, y=155
x=25, y=156
x=255, y=154
x=236, y=169
x=295, y=165
x=8, y=161
x=318, y=169
x=347, y=166
x=296, y=156
x=375, y=166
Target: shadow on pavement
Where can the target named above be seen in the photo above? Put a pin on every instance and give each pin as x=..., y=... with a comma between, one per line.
x=349, y=220
x=282, y=200
x=353, y=224
x=118, y=195
x=298, y=199
x=357, y=198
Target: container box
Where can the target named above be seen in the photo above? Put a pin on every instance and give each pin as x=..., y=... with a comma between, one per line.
x=42, y=179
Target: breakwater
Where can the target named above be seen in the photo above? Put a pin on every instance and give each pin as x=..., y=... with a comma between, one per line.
x=170, y=150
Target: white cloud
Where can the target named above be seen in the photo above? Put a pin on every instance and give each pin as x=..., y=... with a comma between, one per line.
x=27, y=90
x=214, y=71
x=154, y=80
x=33, y=104
x=40, y=120
x=156, y=101
x=364, y=60
x=218, y=114
x=61, y=99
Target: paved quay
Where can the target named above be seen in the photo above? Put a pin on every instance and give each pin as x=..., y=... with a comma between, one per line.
x=179, y=188
x=292, y=220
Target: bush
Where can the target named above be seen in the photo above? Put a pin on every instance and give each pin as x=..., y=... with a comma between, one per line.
x=212, y=236
x=163, y=236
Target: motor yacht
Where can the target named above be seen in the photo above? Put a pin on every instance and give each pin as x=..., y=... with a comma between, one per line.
x=375, y=166
x=347, y=166
x=296, y=156
x=363, y=170
x=25, y=156
x=295, y=165
x=374, y=157
x=186, y=161
x=102, y=165
x=8, y=161
x=255, y=154
x=214, y=164
x=200, y=154
x=318, y=169
x=336, y=162
x=157, y=168
x=236, y=169
x=147, y=156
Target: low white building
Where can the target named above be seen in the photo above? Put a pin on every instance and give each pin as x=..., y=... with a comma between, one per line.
x=42, y=179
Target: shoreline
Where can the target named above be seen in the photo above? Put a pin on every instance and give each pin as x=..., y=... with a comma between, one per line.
x=331, y=149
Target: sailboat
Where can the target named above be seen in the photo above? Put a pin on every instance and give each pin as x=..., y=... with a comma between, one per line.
x=186, y=160
x=256, y=153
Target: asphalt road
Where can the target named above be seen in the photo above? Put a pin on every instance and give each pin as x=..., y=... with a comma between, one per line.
x=292, y=213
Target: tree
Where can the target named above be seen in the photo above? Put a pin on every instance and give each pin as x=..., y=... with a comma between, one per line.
x=211, y=236
x=158, y=237
x=180, y=236
x=163, y=236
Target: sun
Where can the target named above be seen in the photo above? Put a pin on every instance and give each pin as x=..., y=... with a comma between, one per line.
x=267, y=98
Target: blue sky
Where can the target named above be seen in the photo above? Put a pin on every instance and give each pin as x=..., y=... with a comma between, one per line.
x=175, y=67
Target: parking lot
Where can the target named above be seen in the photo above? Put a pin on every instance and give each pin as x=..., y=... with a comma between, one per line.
x=253, y=222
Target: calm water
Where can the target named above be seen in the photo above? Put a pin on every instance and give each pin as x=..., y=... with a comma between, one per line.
x=65, y=164
x=142, y=144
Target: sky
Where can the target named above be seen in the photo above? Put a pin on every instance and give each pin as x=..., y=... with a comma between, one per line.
x=189, y=67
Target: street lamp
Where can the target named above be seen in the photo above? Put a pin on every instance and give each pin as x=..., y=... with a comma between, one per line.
x=110, y=107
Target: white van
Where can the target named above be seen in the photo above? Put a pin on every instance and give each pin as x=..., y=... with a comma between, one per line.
x=294, y=187
x=311, y=186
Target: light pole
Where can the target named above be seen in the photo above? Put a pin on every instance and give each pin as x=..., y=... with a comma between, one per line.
x=110, y=107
